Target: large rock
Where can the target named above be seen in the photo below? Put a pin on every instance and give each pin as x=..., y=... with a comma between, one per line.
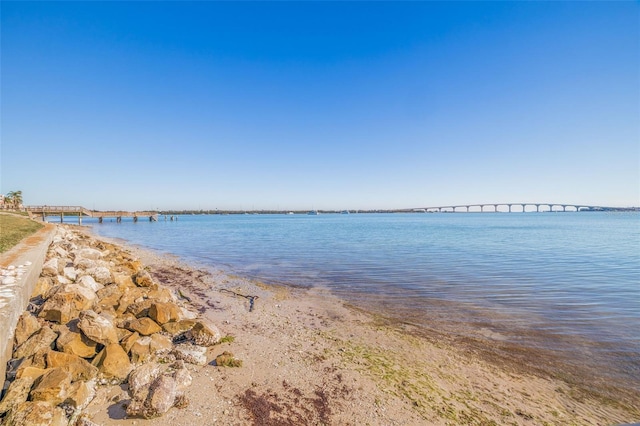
x=101, y=274
x=123, y=281
x=89, y=282
x=79, y=368
x=70, y=273
x=144, y=326
x=143, y=376
x=27, y=325
x=43, y=285
x=160, y=398
x=50, y=267
x=204, y=333
x=52, y=386
x=97, y=328
x=192, y=354
x=178, y=326
x=17, y=393
x=113, y=362
x=128, y=341
x=140, y=350
x=83, y=263
x=81, y=394
x=163, y=313
x=88, y=253
x=76, y=343
x=109, y=297
x=36, y=413
x=143, y=279
x=41, y=339
x=160, y=343
x=66, y=304
x=141, y=308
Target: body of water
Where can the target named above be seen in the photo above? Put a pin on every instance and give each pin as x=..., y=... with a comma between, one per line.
x=565, y=282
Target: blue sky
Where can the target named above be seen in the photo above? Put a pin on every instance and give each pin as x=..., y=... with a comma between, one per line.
x=319, y=105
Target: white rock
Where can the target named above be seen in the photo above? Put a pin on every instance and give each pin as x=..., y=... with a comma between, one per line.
x=88, y=282
x=193, y=354
x=71, y=273
x=8, y=280
x=89, y=253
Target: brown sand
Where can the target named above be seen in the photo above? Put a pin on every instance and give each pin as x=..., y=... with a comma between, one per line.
x=310, y=359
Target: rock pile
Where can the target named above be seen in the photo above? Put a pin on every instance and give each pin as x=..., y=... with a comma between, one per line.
x=98, y=318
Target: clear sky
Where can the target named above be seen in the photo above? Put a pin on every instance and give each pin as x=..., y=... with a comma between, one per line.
x=117, y=105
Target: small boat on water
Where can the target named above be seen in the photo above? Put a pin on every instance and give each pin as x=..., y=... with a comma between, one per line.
x=345, y=212
x=313, y=213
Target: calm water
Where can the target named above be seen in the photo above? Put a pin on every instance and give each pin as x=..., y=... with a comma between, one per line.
x=569, y=282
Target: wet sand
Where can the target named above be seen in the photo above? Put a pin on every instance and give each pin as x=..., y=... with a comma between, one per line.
x=311, y=358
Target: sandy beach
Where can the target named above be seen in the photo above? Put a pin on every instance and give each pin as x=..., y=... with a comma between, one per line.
x=309, y=358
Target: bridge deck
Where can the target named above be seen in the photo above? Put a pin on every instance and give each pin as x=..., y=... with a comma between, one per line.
x=81, y=211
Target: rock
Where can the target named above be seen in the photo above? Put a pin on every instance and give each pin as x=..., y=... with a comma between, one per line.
x=143, y=376
x=131, y=294
x=52, y=386
x=160, y=343
x=144, y=326
x=30, y=372
x=66, y=304
x=17, y=393
x=83, y=263
x=61, y=252
x=70, y=273
x=140, y=309
x=43, y=285
x=108, y=297
x=182, y=376
x=160, y=294
x=89, y=282
x=41, y=339
x=190, y=353
x=76, y=343
x=79, y=368
x=88, y=253
x=97, y=328
x=61, y=279
x=81, y=394
x=140, y=350
x=101, y=274
x=204, y=333
x=143, y=279
x=83, y=420
x=27, y=325
x=134, y=266
x=38, y=413
x=123, y=281
x=161, y=397
x=50, y=267
x=113, y=362
x=128, y=341
x=178, y=326
x=163, y=313
x=8, y=280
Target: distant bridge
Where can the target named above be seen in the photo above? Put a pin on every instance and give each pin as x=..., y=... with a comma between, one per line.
x=81, y=211
x=519, y=207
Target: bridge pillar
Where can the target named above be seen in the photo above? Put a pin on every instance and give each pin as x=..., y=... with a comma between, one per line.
x=481, y=208
x=564, y=208
x=79, y=218
x=467, y=209
x=509, y=207
x=61, y=217
x=495, y=207
x=537, y=208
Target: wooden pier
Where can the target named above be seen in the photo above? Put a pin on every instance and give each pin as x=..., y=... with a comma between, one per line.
x=63, y=211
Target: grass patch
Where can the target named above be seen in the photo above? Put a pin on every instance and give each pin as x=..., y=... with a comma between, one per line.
x=227, y=339
x=226, y=359
x=14, y=228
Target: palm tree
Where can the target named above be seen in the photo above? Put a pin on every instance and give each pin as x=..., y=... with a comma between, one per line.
x=14, y=198
x=17, y=199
